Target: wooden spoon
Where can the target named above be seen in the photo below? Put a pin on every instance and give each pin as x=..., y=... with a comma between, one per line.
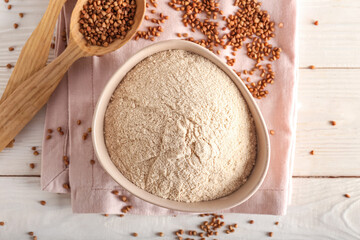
x=31, y=95
x=35, y=52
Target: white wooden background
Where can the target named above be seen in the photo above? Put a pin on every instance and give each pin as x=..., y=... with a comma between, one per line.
x=318, y=211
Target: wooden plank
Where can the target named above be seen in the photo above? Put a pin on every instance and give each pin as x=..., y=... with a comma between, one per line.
x=10, y=37
x=16, y=160
x=319, y=211
x=334, y=43
x=326, y=95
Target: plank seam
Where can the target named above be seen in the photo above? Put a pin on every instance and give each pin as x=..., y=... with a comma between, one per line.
x=326, y=176
x=329, y=68
x=4, y=176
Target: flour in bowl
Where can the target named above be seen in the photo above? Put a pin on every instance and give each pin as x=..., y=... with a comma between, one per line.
x=178, y=127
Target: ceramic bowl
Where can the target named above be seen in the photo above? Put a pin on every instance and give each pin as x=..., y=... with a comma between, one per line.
x=263, y=153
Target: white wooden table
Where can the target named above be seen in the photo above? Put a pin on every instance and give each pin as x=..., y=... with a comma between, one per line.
x=318, y=211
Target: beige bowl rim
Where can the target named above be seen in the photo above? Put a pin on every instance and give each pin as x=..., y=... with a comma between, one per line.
x=263, y=148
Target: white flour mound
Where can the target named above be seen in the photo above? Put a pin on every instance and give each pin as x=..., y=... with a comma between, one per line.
x=178, y=127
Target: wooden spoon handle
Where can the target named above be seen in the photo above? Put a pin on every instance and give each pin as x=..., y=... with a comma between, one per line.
x=35, y=52
x=32, y=94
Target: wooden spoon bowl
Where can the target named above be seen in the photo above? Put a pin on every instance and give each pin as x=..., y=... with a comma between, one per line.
x=33, y=93
x=92, y=50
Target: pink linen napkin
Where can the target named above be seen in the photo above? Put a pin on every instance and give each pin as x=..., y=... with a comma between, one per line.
x=76, y=97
